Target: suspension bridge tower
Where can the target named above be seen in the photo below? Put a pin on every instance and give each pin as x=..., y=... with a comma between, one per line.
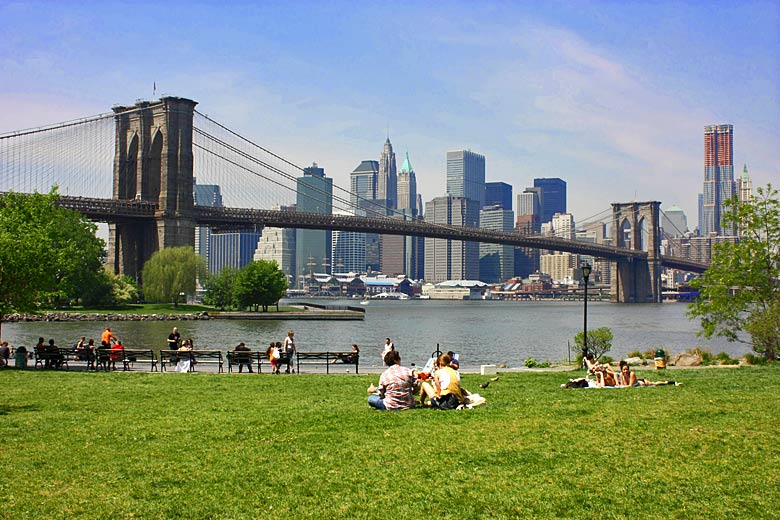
x=636, y=226
x=153, y=163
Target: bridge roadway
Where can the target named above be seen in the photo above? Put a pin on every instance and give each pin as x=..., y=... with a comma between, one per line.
x=114, y=210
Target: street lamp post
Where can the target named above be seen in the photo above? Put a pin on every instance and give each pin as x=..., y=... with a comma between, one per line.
x=585, y=274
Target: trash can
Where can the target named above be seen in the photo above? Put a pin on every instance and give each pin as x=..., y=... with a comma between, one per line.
x=20, y=357
x=660, y=359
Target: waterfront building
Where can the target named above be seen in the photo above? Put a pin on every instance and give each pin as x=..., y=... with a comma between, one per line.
x=466, y=175
x=719, y=183
x=553, y=199
x=496, y=261
x=455, y=290
x=498, y=194
x=562, y=267
x=674, y=222
x=387, y=178
x=278, y=244
x=205, y=195
x=313, y=246
x=451, y=259
x=407, y=187
x=232, y=250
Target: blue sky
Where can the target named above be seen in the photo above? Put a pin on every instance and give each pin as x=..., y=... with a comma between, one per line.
x=610, y=96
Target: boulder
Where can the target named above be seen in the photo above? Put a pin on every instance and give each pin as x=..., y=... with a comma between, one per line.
x=685, y=360
x=634, y=361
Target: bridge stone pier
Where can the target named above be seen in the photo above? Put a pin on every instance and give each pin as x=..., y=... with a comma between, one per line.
x=636, y=226
x=153, y=163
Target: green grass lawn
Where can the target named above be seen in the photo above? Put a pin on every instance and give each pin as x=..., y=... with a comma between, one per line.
x=141, y=445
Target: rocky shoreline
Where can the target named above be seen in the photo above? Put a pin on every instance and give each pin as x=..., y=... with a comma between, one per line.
x=73, y=316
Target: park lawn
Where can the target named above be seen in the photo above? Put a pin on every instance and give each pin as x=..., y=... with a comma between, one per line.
x=141, y=445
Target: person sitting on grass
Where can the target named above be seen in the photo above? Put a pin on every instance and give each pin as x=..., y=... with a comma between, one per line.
x=446, y=392
x=605, y=376
x=397, y=386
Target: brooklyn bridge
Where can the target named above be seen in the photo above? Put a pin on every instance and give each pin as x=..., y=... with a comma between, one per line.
x=135, y=167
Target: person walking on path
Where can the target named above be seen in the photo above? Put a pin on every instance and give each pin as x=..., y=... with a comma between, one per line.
x=289, y=350
x=174, y=339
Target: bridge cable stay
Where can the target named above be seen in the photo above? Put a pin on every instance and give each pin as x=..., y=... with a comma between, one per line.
x=697, y=247
x=76, y=156
x=379, y=211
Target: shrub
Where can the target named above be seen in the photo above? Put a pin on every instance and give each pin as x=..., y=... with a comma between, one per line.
x=636, y=353
x=599, y=341
x=724, y=359
x=752, y=359
x=532, y=363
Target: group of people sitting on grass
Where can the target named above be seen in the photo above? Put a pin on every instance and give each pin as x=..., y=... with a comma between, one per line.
x=401, y=388
x=602, y=375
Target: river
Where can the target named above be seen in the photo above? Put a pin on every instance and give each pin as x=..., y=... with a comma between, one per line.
x=482, y=332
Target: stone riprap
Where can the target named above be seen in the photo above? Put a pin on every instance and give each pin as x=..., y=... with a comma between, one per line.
x=71, y=316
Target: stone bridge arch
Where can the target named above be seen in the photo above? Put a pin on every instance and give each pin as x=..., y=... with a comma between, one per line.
x=637, y=226
x=153, y=162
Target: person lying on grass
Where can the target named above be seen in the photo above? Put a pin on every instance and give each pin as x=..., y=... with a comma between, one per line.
x=397, y=386
x=628, y=378
x=603, y=373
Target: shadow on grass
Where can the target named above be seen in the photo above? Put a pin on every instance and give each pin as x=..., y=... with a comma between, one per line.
x=6, y=409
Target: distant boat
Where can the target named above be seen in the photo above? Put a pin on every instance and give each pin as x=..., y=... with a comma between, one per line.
x=364, y=302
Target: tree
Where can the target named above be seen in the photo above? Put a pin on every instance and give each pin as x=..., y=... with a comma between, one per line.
x=260, y=283
x=219, y=288
x=740, y=292
x=599, y=341
x=170, y=274
x=45, y=251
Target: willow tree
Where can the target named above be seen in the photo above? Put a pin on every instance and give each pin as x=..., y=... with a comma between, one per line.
x=740, y=291
x=169, y=276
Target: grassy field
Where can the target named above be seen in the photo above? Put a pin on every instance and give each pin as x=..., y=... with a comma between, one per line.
x=140, y=445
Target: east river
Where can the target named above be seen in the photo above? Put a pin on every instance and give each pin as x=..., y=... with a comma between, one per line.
x=482, y=332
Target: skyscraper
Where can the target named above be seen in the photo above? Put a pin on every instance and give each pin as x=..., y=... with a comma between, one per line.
x=553, y=198
x=362, y=183
x=312, y=246
x=205, y=195
x=451, y=259
x=466, y=176
x=744, y=186
x=498, y=193
x=387, y=179
x=496, y=261
x=718, y=178
x=232, y=250
x=674, y=222
x=348, y=250
x=407, y=187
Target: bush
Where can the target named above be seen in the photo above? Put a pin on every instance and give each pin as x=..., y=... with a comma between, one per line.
x=599, y=342
x=752, y=359
x=532, y=363
x=724, y=359
x=636, y=353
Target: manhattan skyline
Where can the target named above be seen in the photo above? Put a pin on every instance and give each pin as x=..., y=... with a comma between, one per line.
x=611, y=98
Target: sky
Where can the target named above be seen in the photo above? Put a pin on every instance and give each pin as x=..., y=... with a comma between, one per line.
x=612, y=97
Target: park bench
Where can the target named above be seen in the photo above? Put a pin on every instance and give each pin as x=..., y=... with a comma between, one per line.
x=327, y=359
x=61, y=356
x=103, y=358
x=258, y=359
x=198, y=356
x=130, y=356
